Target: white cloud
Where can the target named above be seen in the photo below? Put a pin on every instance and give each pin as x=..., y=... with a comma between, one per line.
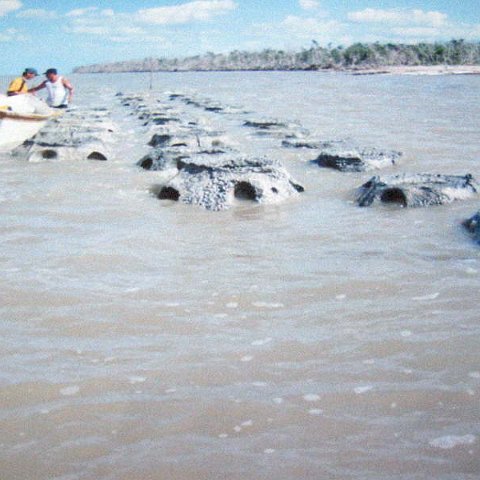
x=106, y=23
x=89, y=29
x=434, y=19
x=116, y=26
x=80, y=12
x=399, y=25
x=7, y=6
x=309, y=4
x=420, y=33
x=309, y=28
x=11, y=34
x=370, y=15
x=130, y=40
x=294, y=32
x=467, y=32
x=199, y=10
x=423, y=34
x=5, y=37
x=37, y=13
x=399, y=17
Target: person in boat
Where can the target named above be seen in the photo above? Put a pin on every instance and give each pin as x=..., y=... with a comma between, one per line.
x=60, y=90
x=19, y=85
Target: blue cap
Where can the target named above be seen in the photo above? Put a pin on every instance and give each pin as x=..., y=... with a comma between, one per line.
x=30, y=70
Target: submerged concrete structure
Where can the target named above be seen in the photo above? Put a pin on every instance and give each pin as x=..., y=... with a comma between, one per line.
x=344, y=155
x=216, y=182
x=76, y=134
x=356, y=159
x=417, y=190
x=203, y=168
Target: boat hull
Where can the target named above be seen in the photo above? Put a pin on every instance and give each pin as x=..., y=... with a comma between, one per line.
x=14, y=131
x=21, y=117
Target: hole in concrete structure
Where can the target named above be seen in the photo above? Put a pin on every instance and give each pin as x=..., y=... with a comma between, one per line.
x=159, y=140
x=394, y=195
x=274, y=190
x=245, y=191
x=168, y=193
x=49, y=154
x=146, y=163
x=96, y=156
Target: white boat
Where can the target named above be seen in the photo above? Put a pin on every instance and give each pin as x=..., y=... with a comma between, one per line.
x=21, y=117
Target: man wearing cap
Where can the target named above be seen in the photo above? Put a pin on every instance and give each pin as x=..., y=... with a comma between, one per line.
x=60, y=90
x=19, y=86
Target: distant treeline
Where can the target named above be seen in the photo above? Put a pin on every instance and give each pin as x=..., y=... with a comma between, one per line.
x=356, y=56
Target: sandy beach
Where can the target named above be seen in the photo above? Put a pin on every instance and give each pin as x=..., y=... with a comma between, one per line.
x=420, y=70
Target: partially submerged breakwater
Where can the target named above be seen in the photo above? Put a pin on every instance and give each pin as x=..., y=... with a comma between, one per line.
x=420, y=190
x=206, y=170
x=194, y=159
x=75, y=135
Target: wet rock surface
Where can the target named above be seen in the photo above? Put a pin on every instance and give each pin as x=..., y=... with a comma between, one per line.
x=216, y=183
x=276, y=128
x=198, y=161
x=309, y=144
x=344, y=156
x=205, y=169
x=206, y=104
x=473, y=226
x=355, y=159
x=76, y=134
x=417, y=190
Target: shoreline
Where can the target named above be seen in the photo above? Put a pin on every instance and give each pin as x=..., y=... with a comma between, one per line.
x=357, y=71
x=419, y=70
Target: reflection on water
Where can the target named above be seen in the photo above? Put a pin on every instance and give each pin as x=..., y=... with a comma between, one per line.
x=310, y=339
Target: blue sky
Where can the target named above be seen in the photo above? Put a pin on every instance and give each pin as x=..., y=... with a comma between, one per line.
x=69, y=33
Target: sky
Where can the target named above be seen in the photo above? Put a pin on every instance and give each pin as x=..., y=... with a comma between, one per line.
x=69, y=33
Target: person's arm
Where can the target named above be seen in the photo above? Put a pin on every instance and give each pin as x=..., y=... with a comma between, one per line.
x=69, y=87
x=38, y=87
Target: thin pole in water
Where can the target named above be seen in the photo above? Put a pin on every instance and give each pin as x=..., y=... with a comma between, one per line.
x=151, y=73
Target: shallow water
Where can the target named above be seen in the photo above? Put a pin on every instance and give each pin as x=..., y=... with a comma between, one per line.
x=309, y=339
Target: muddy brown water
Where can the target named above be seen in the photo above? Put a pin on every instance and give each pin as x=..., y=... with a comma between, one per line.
x=143, y=339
